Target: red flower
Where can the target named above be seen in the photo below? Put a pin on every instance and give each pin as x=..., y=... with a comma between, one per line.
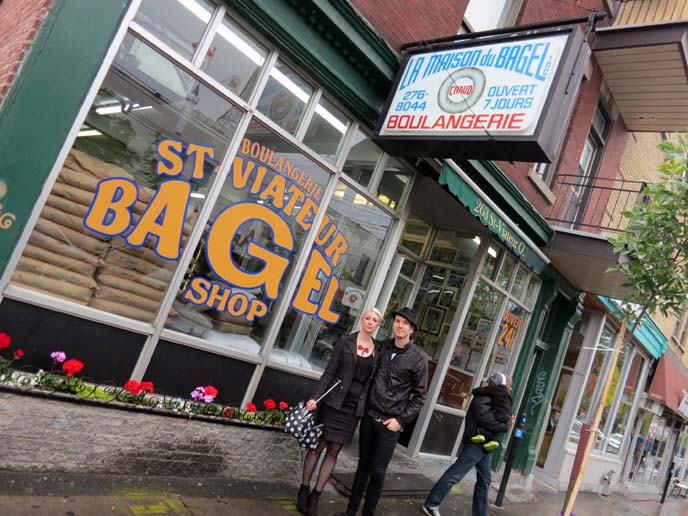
x=210, y=391
x=18, y=353
x=228, y=412
x=5, y=341
x=132, y=386
x=283, y=405
x=72, y=366
x=147, y=387
x=269, y=404
x=251, y=407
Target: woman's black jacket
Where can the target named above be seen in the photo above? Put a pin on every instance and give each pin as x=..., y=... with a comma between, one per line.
x=341, y=366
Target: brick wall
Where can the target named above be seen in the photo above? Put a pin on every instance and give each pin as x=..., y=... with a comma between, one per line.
x=58, y=436
x=20, y=21
x=412, y=20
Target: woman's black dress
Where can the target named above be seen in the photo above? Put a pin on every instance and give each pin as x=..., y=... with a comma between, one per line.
x=340, y=424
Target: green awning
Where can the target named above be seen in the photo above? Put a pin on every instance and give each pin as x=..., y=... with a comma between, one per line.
x=492, y=221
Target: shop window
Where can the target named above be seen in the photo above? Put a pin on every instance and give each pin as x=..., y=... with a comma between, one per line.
x=479, y=18
x=393, y=183
x=362, y=158
x=353, y=224
x=593, y=385
x=506, y=271
x=178, y=23
x=613, y=441
x=144, y=99
x=326, y=130
x=491, y=261
x=509, y=333
x=234, y=59
x=416, y=235
x=518, y=288
x=532, y=292
x=257, y=228
x=620, y=427
x=440, y=436
x=285, y=97
x=470, y=347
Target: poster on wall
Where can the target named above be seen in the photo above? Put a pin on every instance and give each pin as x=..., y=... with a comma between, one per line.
x=505, y=95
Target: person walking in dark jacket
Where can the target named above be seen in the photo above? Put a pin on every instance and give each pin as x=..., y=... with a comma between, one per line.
x=353, y=362
x=480, y=419
x=395, y=399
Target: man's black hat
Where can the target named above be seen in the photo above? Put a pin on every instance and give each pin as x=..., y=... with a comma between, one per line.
x=407, y=314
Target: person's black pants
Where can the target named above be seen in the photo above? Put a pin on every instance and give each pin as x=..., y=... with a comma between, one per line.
x=376, y=447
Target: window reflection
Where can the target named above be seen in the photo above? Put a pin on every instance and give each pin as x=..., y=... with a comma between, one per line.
x=133, y=111
x=285, y=97
x=361, y=228
x=326, y=130
x=362, y=158
x=179, y=23
x=234, y=59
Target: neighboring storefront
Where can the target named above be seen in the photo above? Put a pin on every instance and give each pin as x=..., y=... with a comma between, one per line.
x=220, y=214
x=627, y=413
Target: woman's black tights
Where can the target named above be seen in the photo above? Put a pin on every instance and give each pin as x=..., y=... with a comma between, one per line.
x=327, y=466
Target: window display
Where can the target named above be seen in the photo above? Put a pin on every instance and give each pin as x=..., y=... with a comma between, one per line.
x=144, y=101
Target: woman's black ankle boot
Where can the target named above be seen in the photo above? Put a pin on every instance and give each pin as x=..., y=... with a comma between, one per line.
x=302, y=499
x=313, y=500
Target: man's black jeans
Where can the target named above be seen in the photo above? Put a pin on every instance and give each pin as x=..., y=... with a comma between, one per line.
x=376, y=447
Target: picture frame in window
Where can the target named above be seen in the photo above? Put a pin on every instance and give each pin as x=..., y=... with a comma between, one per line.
x=432, y=296
x=443, y=254
x=456, y=280
x=433, y=318
x=446, y=297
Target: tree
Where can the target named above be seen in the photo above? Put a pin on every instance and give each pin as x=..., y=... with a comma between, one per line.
x=653, y=261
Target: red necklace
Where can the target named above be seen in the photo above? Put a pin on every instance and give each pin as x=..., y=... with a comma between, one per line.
x=363, y=348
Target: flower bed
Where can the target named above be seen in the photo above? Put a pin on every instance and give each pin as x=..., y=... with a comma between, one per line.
x=63, y=379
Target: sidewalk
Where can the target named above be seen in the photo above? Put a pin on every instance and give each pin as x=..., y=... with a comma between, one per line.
x=42, y=494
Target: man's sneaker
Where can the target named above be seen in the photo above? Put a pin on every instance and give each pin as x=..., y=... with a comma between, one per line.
x=478, y=439
x=491, y=446
x=431, y=512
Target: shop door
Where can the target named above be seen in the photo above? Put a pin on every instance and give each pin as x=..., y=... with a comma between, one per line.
x=649, y=447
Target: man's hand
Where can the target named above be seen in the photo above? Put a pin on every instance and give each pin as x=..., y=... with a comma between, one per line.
x=311, y=405
x=392, y=424
x=511, y=420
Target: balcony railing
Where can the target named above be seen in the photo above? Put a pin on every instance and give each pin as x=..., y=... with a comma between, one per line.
x=593, y=204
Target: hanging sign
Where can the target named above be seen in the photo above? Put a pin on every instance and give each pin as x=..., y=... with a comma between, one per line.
x=509, y=96
x=242, y=261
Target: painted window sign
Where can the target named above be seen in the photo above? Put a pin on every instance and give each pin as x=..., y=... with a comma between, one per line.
x=466, y=90
x=282, y=192
x=508, y=331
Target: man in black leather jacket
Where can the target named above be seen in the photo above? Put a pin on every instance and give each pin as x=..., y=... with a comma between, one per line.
x=480, y=418
x=395, y=399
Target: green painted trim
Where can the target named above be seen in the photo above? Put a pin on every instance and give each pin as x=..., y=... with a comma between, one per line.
x=533, y=223
x=490, y=219
x=42, y=104
x=647, y=333
x=333, y=44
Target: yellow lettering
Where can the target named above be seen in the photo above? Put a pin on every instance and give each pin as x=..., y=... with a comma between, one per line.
x=164, y=219
x=169, y=157
x=109, y=213
x=199, y=153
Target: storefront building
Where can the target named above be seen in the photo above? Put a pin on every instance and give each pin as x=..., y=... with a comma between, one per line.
x=214, y=211
x=628, y=412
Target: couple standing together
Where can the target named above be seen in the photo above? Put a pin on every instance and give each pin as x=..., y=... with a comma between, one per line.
x=385, y=384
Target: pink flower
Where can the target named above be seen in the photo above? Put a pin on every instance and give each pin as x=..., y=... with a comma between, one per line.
x=269, y=404
x=210, y=391
x=133, y=387
x=251, y=407
x=58, y=356
x=283, y=405
x=18, y=353
x=146, y=387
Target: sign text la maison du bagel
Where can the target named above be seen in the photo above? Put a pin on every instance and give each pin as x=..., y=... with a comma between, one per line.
x=283, y=193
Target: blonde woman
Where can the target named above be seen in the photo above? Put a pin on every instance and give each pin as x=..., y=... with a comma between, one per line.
x=353, y=361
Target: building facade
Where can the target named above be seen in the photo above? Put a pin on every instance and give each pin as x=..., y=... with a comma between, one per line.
x=205, y=203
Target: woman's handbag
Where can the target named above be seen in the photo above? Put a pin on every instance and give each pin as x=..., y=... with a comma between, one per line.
x=300, y=422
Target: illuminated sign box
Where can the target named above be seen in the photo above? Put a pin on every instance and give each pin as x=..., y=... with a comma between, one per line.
x=506, y=97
